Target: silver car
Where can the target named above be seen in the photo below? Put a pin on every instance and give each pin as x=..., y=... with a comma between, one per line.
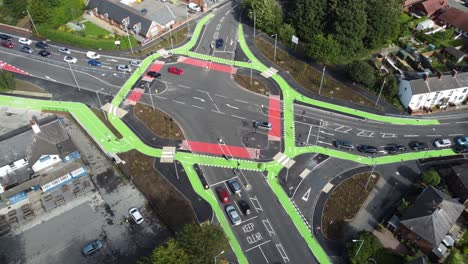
x=64, y=50
x=124, y=68
x=136, y=63
x=233, y=215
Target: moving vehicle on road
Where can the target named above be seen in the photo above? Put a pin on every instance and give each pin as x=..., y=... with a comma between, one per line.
x=26, y=49
x=244, y=207
x=234, y=186
x=92, y=55
x=95, y=63
x=8, y=44
x=5, y=37
x=45, y=53
x=124, y=68
x=25, y=41
x=219, y=43
x=463, y=141
x=367, y=149
x=223, y=195
x=442, y=143
x=461, y=149
x=343, y=144
x=136, y=63
x=70, y=59
x=263, y=125
x=64, y=50
x=42, y=45
x=194, y=7
x=92, y=247
x=154, y=74
x=233, y=215
x=417, y=145
x=175, y=70
x=136, y=216
x=395, y=148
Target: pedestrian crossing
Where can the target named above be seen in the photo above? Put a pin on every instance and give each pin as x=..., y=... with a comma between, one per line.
x=269, y=72
x=284, y=160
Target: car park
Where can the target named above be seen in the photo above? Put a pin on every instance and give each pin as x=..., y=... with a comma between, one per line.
x=263, y=125
x=42, y=45
x=223, y=195
x=94, y=63
x=124, y=68
x=64, y=50
x=395, y=148
x=418, y=145
x=194, y=7
x=244, y=207
x=92, y=247
x=5, y=37
x=219, y=43
x=175, y=70
x=26, y=49
x=70, y=59
x=234, y=185
x=463, y=141
x=343, y=144
x=25, y=41
x=367, y=149
x=45, y=53
x=92, y=55
x=136, y=216
x=136, y=63
x=233, y=215
x=8, y=44
x=442, y=143
x=154, y=74
x=460, y=149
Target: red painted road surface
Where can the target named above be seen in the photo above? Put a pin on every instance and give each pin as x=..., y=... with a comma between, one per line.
x=156, y=66
x=135, y=96
x=8, y=67
x=210, y=65
x=220, y=149
x=274, y=117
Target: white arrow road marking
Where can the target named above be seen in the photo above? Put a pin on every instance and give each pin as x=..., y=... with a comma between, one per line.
x=47, y=77
x=305, y=197
x=228, y=105
x=199, y=99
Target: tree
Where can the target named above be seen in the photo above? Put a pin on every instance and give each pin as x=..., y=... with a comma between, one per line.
x=202, y=242
x=16, y=8
x=323, y=49
x=392, y=87
x=431, y=177
x=268, y=14
x=40, y=11
x=361, y=72
x=456, y=257
x=383, y=23
x=168, y=253
x=307, y=17
x=369, y=249
x=285, y=33
x=7, y=81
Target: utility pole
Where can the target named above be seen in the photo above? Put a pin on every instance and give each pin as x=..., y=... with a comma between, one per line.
x=128, y=36
x=321, y=81
x=255, y=21
x=381, y=88
x=100, y=104
x=151, y=97
x=250, y=64
x=74, y=78
x=276, y=41
x=32, y=22
x=370, y=175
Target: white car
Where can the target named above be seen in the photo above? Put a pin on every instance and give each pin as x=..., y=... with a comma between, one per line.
x=70, y=59
x=64, y=50
x=92, y=55
x=25, y=41
x=194, y=7
x=124, y=68
x=442, y=143
x=136, y=63
x=136, y=216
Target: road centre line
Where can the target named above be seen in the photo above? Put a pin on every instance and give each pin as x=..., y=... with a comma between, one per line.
x=433, y=135
x=454, y=135
x=247, y=250
x=461, y=122
x=198, y=107
x=410, y=135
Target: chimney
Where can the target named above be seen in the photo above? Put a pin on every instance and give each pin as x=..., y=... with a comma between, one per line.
x=454, y=73
x=35, y=127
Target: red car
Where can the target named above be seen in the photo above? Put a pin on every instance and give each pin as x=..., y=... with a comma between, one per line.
x=8, y=44
x=175, y=70
x=223, y=195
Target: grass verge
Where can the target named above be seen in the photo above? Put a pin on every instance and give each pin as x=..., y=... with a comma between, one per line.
x=27, y=86
x=106, y=122
x=165, y=42
x=159, y=122
x=344, y=203
x=256, y=87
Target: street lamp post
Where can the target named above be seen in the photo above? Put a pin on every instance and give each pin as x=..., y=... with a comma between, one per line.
x=321, y=81
x=170, y=33
x=222, y=252
x=32, y=22
x=276, y=41
x=100, y=103
x=128, y=35
x=358, y=240
x=151, y=97
x=188, y=22
x=250, y=64
x=255, y=21
x=74, y=78
x=370, y=175
x=378, y=97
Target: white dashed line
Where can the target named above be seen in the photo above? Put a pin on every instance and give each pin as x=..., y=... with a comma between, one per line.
x=241, y=101
x=239, y=117
x=198, y=107
x=411, y=136
x=461, y=122
x=222, y=96
x=178, y=102
x=454, y=135
x=433, y=135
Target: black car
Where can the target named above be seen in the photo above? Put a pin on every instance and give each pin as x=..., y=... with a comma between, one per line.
x=368, y=149
x=42, y=45
x=219, y=43
x=418, y=145
x=461, y=149
x=154, y=74
x=395, y=148
x=344, y=144
x=45, y=53
x=5, y=37
x=26, y=49
x=244, y=207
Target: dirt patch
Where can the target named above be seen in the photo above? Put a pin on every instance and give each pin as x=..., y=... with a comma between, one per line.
x=106, y=122
x=28, y=87
x=164, y=197
x=344, y=203
x=308, y=77
x=256, y=87
x=159, y=122
x=108, y=180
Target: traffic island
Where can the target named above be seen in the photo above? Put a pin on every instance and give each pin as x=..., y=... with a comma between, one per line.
x=158, y=122
x=252, y=84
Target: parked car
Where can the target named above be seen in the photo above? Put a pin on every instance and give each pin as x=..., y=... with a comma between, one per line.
x=223, y=195
x=461, y=149
x=26, y=49
x=136, y=216
x=154, y=74
x=25, y=41
x=234, y=186
x=343, y=144
x=233, y=215
x=42, y=45
x=124, y=68
x=92, y=55
x=395, y=148
x=219, y=43
x=367, y=149
x=144, y=10
x=194, y=7
x=92, y=247
x=418, y=145
x=64, y=50
x=175, y=70
x=244, y=207
x=463, y=141
x=5, y=37
x=442, y=143
x=263, y=125
x=70, y=59
x=45, y=53
x=8, y=44
x=136, y=63
x=95, y=63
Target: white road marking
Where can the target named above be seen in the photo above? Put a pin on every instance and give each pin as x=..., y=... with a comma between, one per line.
x=241, y=101
x=47, y=77
x=461, y=122
x=261, y=250
x=222, y=96
x=268, y=227
x=282, y=252
x=454, y=135
x=112, y=60
x=178, y=102
x=326, y=143
x=256, y=203
x=433, y=135
x=183, y=86
x=252, y=218
x=239, y=117
x=305, y=197
x=326, y=133
x=198, y=98
x=217, y=112
x=411, y=136
x=230, y=106
x=247, y=250
x=388, y=135
x=196, y=106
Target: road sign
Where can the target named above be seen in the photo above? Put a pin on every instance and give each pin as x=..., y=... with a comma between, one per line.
x=295, y=40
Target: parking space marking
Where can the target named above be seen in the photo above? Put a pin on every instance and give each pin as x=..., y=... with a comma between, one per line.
x=326, y=143
x=252, y=218
x=268, y=227
x=263, y=243
x=282, y=252
x=256, y=204
x=326, y=133
x=240, y=117
x=196, y=106
x=183, y=86
x=223, y=181
x=222, y=96
x=241, y=101
x=178, y=102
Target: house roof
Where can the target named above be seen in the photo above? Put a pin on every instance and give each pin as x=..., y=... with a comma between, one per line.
x=118, y=12
x=15, y=148
x=461, y=171
x=432, y=6
x=455, y=52
x=456, y=18
x=435, y=84
x=408, y=3
x=432, y=215
x=162, y=16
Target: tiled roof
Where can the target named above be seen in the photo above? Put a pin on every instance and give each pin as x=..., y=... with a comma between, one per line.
x=432, y=6
x=435, y=84
x=456, y=18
